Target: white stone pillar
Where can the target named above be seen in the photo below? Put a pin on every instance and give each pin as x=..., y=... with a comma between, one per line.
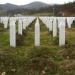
x=69, y=21
x=50, y=24
x=6, y=24
x=62, y=33
x=54, y=27
x=24, y=24
x=12, y=33
x=37, y=33
x=2, y=18
x=20, y=27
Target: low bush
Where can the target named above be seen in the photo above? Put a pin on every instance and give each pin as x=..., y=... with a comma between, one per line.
x=19, y=39
x=73, y=24
x=1, y=27
x=56, y=40
x=24, y=32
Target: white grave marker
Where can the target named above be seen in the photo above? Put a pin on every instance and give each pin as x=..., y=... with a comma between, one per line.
x=20, y=27
x=69, y=21
x=54, y=27
x=37, y=33
x=62, y=32
x=12, y=33
x=5, y=22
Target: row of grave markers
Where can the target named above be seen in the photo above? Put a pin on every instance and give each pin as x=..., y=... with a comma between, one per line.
x=21, y=26
x=52, y=23
x=58, y=23
x=23, y=22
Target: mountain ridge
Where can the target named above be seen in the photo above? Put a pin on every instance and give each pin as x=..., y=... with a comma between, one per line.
x=33, y=5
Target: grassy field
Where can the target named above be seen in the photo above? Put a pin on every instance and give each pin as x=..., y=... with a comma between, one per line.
x=48, y=59
x=43, y=14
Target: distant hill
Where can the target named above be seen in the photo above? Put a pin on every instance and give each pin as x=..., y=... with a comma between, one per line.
x=31, y=8
x=33, y=5
x=38, y=7
x=8, y=6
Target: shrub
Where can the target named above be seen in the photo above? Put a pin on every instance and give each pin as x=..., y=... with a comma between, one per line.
x=56, y=40
x=50, y=32
x=24, y=32
x=19, y=40
x=73, y=24
x=1, y=27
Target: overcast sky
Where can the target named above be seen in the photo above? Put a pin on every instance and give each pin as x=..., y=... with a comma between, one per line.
x=22, y=2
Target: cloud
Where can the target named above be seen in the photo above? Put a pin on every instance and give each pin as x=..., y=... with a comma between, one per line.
x=22, y=2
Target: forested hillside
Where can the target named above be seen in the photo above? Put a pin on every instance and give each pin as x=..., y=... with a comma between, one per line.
x=67, y=9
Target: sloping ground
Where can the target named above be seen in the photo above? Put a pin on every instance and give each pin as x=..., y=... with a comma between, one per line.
x=68, y=9
x=48, y=59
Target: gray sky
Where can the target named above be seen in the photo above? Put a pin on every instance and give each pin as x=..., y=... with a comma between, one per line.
x=22, y=2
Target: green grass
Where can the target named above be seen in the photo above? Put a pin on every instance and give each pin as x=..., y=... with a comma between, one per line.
x=43, y=14
x=26, y=58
